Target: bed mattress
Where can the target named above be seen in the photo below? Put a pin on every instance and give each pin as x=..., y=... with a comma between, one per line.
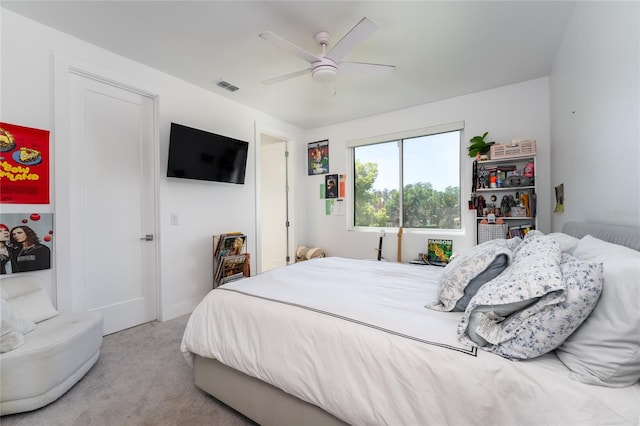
x=353, y=337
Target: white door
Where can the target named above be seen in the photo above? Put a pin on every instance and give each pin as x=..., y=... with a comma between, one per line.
x=274, y=232
x=112, y=201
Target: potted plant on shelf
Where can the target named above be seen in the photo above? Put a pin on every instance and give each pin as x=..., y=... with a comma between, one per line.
x=479, y=146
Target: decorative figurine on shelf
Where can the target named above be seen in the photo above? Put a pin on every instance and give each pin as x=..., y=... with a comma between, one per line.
x=524, y=202
x=483, y=177
x=506, y=204
x=480, y=205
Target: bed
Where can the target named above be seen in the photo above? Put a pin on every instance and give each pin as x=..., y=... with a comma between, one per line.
x=362, y=342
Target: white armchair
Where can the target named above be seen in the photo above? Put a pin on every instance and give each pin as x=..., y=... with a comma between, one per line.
x=43, y=353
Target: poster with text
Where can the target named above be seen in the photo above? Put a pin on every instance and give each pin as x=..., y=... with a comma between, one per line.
x=318, y=157
x=26, y=242
x=24, y=165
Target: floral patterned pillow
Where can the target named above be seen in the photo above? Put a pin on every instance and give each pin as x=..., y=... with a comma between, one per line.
x=465, y=274
x=532, y=313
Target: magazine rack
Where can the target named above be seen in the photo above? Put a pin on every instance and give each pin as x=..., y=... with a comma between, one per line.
x=230, y=259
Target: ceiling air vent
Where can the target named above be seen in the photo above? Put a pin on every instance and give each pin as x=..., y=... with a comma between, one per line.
x=226, y=85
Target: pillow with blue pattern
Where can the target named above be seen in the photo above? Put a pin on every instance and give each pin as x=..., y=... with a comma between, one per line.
x=533, y=307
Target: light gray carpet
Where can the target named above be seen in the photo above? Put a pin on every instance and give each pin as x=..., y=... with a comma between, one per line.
x=141, y=378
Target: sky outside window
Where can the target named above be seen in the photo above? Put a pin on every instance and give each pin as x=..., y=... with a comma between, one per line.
x=430, y=159
x=433, y=159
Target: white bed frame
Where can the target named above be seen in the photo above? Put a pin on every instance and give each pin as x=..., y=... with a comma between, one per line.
x=268, y=405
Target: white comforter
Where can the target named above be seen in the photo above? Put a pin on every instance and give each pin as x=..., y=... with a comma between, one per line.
x=353, y=337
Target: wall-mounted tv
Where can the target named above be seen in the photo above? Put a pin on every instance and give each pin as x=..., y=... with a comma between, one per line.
x=201, y=155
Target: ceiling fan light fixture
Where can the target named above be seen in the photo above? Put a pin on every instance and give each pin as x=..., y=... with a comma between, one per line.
x=326, y=66
x=324, y=73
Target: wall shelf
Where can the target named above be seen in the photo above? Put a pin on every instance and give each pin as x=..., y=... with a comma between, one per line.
x=510, y=188
x=506, y=218
x=489, y=200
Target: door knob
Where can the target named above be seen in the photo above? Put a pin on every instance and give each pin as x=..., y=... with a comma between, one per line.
x=148, y=237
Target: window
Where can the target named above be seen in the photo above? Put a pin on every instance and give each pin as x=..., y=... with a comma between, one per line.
x=410, y=180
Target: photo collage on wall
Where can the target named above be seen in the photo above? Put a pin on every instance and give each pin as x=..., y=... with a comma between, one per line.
x=333, y=188
x=333, y=191
x=26, y=242
x=26, y=239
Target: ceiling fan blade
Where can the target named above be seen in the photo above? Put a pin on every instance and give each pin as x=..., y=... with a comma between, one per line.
x=353, y=38
x=287, y=45
x=371, y=69
x=287, y=76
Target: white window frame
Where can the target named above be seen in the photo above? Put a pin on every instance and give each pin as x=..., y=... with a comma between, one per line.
x=390, y=137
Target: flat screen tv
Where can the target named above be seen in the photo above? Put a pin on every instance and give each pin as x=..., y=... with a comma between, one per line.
x=201, y=155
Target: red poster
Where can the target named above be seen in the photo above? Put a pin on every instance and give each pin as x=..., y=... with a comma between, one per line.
x=24, y=165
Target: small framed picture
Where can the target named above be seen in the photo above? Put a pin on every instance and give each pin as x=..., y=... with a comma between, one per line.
x=318, y=157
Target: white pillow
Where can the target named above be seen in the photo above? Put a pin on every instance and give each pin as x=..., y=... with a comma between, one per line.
x=605, y=350
x=34, y=305
x=566, y=241
x=10, y=339
x=17, y=285
x=12, y=327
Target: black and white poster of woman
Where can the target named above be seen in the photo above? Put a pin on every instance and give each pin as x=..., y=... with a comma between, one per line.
x=26, y=242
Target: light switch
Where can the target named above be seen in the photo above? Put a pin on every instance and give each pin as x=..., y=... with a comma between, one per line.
x=174, y=219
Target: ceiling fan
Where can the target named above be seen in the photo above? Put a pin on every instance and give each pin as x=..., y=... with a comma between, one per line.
x=326, y=66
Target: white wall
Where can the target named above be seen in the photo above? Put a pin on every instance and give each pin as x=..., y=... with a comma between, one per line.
x=203, y=208
x=595, y=110
x=512, y=112
x=595, y=116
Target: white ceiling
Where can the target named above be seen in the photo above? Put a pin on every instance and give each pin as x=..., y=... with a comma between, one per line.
x=440, y=49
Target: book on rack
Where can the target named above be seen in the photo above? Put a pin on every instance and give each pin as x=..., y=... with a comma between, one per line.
x=519, y=230
x=231, y=268
x=229, y=244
